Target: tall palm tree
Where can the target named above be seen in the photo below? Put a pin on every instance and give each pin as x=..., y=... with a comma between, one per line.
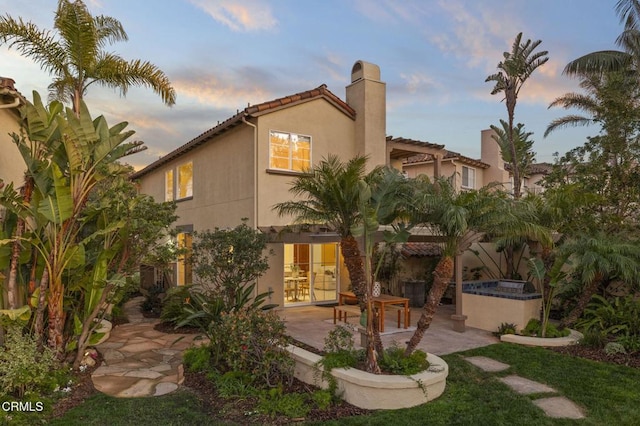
x=513, y=71
x=628, y=41
x=595, y=260
x=609, y=99
x=462, y=218
x=77, y=56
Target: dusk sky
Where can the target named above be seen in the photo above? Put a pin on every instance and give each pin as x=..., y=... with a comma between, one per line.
x=434, y=56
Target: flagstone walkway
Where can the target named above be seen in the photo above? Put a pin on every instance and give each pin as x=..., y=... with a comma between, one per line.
x=553, y=405
x=138, y=360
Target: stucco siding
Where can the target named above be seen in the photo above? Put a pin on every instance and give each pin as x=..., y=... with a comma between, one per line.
x=331, y=132
x=12, y=166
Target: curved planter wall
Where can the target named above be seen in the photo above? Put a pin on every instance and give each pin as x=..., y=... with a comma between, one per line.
x=375, y=391
x=573, y=338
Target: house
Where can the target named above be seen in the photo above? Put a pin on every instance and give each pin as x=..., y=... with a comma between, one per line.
x=12, y=166
x=469, y=173
x=243, y=166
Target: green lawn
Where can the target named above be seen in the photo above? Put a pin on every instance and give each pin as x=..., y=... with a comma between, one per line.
x=609, y=394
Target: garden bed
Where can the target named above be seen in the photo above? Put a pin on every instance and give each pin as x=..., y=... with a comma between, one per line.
x=374, y=391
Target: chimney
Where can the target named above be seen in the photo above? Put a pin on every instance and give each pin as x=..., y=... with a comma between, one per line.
x=367, y=96
x=490, y=154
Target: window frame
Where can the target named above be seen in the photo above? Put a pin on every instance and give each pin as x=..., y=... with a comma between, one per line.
x=177, y=192
x=462, y=182
x=169, y=185
x=291, y=159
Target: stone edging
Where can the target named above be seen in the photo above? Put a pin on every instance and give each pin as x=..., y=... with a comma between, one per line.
x=374, y=391
x=573, y=338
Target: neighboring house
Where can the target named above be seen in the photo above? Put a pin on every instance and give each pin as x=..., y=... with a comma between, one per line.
x=244, y=166
x=12, y=167
x=469, y=173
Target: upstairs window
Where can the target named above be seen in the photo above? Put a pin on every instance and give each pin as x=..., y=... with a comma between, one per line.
x=468, y=177
x=185, y=180
x=168, y=185
x=289, y=151
x=178, y=184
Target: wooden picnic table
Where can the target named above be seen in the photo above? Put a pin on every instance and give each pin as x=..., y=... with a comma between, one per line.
x=383, y=302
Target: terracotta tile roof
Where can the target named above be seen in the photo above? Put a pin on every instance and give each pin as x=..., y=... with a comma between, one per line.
x=536, y=168
x=250, y=111
x=7, y=83
x=421, y=250
x=449, y=155
x=320, y=91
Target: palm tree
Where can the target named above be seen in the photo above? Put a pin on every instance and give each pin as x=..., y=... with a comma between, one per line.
x=330, y=195
x=610, y=97
x=628, y=40
x=596, y=260
x=77, y=58
x=462, y=218
x=354, y=204
x=514, y=70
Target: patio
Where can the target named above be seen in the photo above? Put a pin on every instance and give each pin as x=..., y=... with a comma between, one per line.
x=310, y=325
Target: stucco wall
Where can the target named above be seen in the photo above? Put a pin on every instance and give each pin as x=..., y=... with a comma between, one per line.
x=222, y=182
x=331, y=132
x=12, y=166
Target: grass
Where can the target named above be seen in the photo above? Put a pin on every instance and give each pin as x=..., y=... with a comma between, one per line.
x=607, y=393
x=179, y=408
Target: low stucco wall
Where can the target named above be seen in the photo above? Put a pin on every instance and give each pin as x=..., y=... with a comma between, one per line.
x=375, y=391
x=571, y=339
x=487, y=312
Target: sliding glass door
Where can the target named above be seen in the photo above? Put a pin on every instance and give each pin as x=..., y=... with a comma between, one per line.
x=311, y=273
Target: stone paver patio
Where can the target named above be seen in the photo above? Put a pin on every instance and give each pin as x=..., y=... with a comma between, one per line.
x=138, y=360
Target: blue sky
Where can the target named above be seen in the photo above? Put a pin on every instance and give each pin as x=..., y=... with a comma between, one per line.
x=434, y=56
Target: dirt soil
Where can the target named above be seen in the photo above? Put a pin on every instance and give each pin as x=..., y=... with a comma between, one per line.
x=242, y=410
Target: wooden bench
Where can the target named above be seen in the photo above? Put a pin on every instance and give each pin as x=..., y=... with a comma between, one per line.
x=342, y=310
x=400, y=310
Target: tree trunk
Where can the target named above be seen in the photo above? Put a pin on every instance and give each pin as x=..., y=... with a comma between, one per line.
x=56, y=317
x=42, y=302
x=12, y=287
x=371, y=364
x=584, y=299
x=355, y=266
x=442, y=276
x=511, y=99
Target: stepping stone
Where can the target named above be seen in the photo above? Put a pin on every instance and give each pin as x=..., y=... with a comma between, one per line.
x=165, y=388
x=559, y=407
x=487, y=364
x=525, y=386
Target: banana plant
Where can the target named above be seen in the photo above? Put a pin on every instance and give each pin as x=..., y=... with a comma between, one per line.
x=66, y=156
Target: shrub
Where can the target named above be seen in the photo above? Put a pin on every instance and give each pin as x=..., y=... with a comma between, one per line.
x=22, y=367
x=593, y=339
x=197, y=359
x=252, y=341
x=173, y=305
x=394, y=361
x=630, y=342
x=339, y=339
x=534, y=328
x=274, y=401
x=617, y=317
x=505, y=328
x=613, y=348
x=235, y=383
